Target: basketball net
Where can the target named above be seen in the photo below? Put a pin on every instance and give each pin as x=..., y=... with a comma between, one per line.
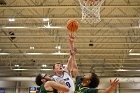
x=91, y=10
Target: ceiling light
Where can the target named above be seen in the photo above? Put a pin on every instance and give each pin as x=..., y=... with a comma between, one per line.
x=11, y=19
x=19, y=27
x=44, y=65
x=4, y=53
x=48, y=26
x=51, y=27
x=34, y=53
x=125, y=70
x=137, y=54
x=130, y=50
x=65, y=65
x=14, y=27
x=32, y=48
x=60, y=53
x=121, y=70
x=58, y=47
x=19, y=69
x=16, y=65
x=45, y=19
x=30, y=69
x=45, y=69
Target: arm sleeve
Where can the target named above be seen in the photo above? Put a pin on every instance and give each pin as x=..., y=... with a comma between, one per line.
x=78, y=81
x=91, y=90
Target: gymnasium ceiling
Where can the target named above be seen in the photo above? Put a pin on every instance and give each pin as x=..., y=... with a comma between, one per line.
x=109, y=47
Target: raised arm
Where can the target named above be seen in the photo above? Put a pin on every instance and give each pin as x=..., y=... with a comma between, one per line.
x=72, y=65
x=71, y=42
x=112, y=87
x=70, y=59
x=75, y=71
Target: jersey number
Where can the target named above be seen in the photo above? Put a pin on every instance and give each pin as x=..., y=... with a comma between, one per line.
x=68, y=84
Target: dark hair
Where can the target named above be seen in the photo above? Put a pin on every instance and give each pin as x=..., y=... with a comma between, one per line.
x=38, y=80
x=56, y=63
x=94, y=81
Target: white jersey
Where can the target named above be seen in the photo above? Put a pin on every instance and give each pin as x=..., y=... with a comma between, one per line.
x=68, y=81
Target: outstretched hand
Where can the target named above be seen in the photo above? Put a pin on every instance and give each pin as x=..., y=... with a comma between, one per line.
x=115, y=83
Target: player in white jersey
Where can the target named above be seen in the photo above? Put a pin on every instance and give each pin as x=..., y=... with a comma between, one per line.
x=65, y=77
x=65, y=74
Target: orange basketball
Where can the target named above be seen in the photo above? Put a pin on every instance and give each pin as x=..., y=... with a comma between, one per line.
x=72, y=25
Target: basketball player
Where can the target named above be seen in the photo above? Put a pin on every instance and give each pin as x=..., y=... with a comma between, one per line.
x=49, y=86
x=90, y=81
x=65, y=73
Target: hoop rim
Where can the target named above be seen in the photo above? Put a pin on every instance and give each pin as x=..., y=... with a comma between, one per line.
x=90, y=1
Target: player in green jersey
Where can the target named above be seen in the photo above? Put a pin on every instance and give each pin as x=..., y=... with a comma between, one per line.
x=49, y=86
x=89, y=83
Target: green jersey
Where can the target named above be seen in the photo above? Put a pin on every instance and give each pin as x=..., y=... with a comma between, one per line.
x=43, y=90
x=81, y=89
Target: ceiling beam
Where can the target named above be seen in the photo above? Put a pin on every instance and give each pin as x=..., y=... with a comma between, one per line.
x=79, y=49
x=78, y=36
x=77, y=43
x=63, y=27
x=61, y=54
x=67, y=6
x=65, y=18
x=80, y=67
x=81, y=59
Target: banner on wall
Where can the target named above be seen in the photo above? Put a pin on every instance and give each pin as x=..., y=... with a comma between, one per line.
x=2, y=90
x=32, y=89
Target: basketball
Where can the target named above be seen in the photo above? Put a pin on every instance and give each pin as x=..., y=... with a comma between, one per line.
x=72, y=25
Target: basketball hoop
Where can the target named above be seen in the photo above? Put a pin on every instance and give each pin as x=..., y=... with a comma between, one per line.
x=91, y=10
